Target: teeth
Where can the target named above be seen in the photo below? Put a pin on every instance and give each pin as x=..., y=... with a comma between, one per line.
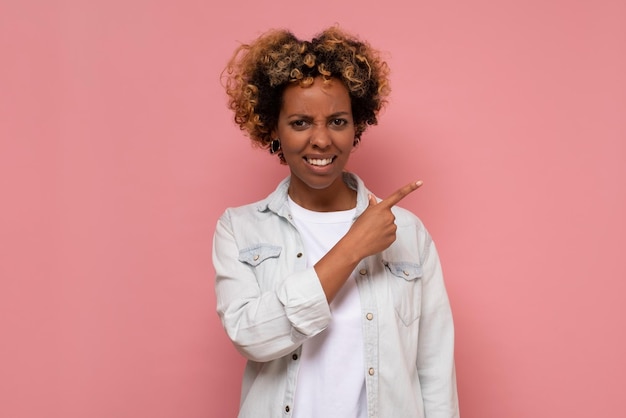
x=320, y=162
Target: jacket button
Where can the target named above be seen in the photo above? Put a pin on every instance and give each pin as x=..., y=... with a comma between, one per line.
x=371, y=371
x=295, y=357
x=287, y=408
x=406, y=273
x=256, y=257
x=299, y=255
x=363, y=272
x=369, y=316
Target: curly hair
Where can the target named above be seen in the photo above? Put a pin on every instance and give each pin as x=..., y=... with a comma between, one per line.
x=258, y=73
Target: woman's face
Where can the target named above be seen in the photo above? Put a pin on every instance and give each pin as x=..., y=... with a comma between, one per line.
x=316, y=132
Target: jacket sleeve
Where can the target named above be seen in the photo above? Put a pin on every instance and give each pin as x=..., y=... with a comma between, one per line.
x=435, y=357
x=264, y=325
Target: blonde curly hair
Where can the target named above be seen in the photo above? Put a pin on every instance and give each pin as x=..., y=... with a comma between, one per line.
x=257, y=74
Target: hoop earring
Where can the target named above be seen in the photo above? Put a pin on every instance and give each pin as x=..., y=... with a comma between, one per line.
x=274, y=146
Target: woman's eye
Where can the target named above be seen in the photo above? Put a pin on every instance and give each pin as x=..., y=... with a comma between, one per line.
x=299, y=124
x=338, y=122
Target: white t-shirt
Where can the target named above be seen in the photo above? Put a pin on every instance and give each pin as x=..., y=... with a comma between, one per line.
x=331, y=378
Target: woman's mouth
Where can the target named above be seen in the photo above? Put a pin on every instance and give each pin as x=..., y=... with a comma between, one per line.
x=319, y=162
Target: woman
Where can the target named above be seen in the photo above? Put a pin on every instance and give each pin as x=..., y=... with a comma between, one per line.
x=335, y=297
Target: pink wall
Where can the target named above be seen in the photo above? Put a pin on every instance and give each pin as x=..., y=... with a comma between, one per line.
x=117, y=155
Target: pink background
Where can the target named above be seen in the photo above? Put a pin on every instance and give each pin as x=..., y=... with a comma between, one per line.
x=118, y=154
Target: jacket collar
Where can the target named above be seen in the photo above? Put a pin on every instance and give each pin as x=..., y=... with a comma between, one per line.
x=277, y=200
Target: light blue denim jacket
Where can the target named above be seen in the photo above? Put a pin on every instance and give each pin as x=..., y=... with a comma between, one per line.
x=269, y=303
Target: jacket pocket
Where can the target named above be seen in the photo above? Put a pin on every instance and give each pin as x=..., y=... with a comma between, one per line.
x=406, y=289
x=259, y=253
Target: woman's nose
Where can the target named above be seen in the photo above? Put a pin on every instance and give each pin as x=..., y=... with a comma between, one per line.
x=320, y=138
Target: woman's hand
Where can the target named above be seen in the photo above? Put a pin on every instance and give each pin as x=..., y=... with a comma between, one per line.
x=371, y=233
x=375, y=229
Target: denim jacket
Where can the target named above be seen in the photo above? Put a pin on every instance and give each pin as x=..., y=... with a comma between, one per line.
x=270, y=302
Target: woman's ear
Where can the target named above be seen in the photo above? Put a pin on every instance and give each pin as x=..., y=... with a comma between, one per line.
x=275, y=146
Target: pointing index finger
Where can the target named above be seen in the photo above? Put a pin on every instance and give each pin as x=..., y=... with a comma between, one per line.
x=401, y=193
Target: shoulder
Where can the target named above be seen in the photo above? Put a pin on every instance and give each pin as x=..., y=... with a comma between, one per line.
x=411, y=232
x=405, y=217
x=251, y=212
x=261, y=209
x=246, y=209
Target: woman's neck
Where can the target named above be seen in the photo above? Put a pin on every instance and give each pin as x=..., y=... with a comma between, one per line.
x=336, y=197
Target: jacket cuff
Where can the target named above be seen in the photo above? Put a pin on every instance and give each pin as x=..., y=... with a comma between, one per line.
x=305, y=303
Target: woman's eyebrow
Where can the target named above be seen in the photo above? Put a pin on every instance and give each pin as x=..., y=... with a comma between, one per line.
x=305, y=116
x=334, y=115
